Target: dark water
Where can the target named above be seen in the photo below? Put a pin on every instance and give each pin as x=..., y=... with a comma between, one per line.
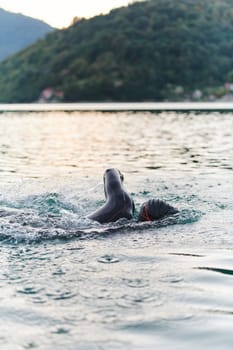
x=68, y=283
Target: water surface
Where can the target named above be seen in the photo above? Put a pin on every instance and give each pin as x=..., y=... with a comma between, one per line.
x=68, y=283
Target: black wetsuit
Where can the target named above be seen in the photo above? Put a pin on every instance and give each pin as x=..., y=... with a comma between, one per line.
x=118, y=202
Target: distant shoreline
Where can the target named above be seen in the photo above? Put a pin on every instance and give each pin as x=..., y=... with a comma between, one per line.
x=114, y=106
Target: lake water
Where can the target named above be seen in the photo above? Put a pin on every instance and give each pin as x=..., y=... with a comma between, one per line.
x=69, y=283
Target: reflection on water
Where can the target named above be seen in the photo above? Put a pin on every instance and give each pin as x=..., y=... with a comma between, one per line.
x=69, y=283
x=224, y=271
x=41, y=145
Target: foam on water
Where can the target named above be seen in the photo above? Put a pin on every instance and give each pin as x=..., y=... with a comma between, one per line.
x=52, y=215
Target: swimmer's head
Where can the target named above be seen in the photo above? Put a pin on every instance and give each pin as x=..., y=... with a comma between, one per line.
x=155, y=209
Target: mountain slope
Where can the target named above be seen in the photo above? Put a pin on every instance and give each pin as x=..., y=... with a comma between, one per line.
x=18, y=31
x=147, y=51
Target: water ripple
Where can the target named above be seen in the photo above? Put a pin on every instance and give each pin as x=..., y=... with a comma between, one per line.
x=108, y=259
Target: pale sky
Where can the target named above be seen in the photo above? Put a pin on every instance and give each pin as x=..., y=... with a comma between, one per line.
x=59, y=13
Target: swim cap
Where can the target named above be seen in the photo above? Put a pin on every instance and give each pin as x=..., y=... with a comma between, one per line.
x=155, y=209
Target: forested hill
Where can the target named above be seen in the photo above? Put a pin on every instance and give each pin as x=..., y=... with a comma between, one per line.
x=18, y=31
x=152, y=50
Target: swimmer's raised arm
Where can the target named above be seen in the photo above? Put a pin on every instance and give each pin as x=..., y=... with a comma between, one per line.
x=118, y=204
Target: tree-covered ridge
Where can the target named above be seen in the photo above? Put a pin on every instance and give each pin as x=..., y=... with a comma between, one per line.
x=18, y=31
x=153, y=50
